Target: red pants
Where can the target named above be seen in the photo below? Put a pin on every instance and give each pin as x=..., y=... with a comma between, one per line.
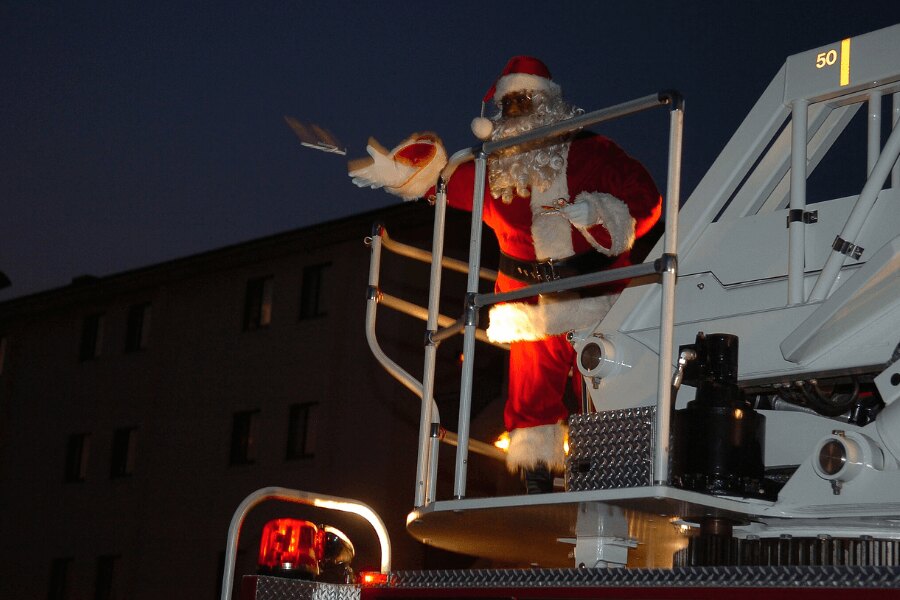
x=538, y=376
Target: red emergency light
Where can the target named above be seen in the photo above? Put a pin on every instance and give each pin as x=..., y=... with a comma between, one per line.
x=372, y=578
x=290, y=548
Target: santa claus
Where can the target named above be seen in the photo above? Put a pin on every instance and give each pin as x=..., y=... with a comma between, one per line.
x=571, y=205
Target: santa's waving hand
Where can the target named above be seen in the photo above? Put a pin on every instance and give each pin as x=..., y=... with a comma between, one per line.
x=408, y=170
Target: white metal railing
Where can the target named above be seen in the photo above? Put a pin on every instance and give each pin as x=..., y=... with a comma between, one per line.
x=433, y=434
x=666, y=267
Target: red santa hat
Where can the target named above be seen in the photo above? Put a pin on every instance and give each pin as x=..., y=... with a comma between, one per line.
x=521, y=73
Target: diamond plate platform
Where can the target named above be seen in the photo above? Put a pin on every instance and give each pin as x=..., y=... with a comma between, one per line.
x=611, y=449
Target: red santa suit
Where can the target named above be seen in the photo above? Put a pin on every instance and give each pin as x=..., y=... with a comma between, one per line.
x=530, y=231
x=622, y=203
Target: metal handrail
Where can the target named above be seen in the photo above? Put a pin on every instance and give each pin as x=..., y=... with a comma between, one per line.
x=431, y=433
x=424, y=256
x=668, y=270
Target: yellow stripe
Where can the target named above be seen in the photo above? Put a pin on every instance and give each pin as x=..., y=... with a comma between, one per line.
x=845, y=62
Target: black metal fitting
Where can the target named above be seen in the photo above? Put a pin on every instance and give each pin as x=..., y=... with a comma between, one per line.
x=471, y=310
x=377, y=229
x=844, y=247
x=798, y=214
x=372, y=293
x=436, y=430
x=667, y=263
x=673, y=98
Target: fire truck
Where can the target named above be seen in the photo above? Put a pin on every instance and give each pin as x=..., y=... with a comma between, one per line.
x=741, y=432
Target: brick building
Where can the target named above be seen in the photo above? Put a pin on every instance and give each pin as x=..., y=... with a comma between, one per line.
x=138, y=409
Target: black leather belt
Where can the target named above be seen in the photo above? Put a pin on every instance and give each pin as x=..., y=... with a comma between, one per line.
x=550, y=270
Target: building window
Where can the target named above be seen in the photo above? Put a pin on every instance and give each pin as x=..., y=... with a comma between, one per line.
x=77, y=451
x=105, y=581
x=60, y=573
x=2, y=353
x=244, y=433
x=91, y=337
x=302, y=430
x=312, y=303
x=258, y=304
x=124, y=448
x=137, y=333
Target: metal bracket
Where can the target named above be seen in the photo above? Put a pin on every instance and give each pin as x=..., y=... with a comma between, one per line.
x=471, y=310
x=798, y=214
x=372, y=293
x=667, y=263
x=673, y=98
x=845, y=247
x=429, y=337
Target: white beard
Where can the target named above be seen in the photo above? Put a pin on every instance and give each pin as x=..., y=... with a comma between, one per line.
x=523, y=170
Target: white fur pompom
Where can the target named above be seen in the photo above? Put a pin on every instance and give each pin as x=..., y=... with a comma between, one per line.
x=482, y=128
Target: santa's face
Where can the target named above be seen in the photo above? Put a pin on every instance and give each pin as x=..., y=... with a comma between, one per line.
x=515, y=171
x=516, y=104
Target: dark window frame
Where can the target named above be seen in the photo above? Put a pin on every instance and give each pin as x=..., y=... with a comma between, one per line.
x=244, y=436
x=312, y=301
x=137, y=331
x=105, y=577
x=122, y=454
x=4, y=350
x=59, y=581
x=258, y=302
x=301, y=439
x=91, y=337
x=78, y=450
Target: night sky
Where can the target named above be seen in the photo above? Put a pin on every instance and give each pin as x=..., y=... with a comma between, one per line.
x=135, y=133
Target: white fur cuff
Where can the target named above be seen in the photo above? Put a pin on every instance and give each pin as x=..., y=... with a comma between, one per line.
x=615, y=217
x=529, y=446
x=522, y=322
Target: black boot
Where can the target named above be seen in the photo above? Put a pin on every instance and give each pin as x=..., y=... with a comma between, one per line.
x=538, y=479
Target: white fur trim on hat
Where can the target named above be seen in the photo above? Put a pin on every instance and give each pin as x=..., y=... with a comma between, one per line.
x=523, y=322
x=529, y=446
x=517, y=82
x=615, y=217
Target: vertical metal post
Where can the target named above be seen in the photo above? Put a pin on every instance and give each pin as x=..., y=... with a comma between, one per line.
x=895, y=123
x=796, y=231
x=427, y=450
x=874, y=133
x=667, y=310
x=465, y=395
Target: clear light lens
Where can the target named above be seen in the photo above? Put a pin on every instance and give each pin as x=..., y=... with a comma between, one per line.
x=590, y=356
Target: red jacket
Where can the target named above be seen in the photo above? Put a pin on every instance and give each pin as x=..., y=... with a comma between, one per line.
x=595, y=164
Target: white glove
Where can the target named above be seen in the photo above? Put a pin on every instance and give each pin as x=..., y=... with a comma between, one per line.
x=582, y=213
x=382, y=171
x=408, y=171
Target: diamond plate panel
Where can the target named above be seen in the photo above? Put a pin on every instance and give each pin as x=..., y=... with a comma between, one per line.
x=611, y=449
x=705, y=577
x=279, y=588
